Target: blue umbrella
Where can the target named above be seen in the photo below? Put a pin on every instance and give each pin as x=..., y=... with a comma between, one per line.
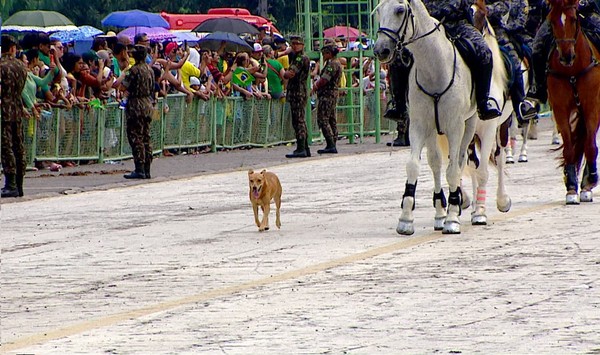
x=134, y=18
x=81, y=33
x=233, y=43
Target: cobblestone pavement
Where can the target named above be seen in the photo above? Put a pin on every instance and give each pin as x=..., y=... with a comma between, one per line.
x=177, y=267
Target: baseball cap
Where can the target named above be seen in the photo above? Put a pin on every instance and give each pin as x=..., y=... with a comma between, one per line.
x=257, y=47
x=194, y=81
x=171, y=46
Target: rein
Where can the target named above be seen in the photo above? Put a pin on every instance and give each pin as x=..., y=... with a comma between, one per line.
x=398, y=37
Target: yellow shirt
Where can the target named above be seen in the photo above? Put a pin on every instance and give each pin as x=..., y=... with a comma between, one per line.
x=285, y=61
x=188, y=70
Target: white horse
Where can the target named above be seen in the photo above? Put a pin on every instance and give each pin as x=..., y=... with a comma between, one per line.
x=491, y=137
x=441, y=102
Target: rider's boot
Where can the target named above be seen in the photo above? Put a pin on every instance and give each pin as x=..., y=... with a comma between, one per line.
x=487, y=107
x=402, y=127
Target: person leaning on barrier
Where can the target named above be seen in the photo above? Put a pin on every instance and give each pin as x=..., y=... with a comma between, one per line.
x=297, y=95
x=326, y=89
x=139, y=84
x=13, y=74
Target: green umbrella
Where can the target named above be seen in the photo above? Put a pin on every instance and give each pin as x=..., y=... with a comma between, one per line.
x=38, y=20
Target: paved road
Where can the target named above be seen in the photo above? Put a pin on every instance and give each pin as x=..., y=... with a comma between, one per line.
x=177, y=267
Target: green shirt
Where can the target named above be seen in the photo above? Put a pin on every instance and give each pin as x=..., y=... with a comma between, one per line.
x=275, y=84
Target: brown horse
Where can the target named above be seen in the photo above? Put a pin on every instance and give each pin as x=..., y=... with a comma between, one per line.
x=574, y=94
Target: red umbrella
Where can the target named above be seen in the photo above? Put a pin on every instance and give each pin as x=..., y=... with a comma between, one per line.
x=348, y=32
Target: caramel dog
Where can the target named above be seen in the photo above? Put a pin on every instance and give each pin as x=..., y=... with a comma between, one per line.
x=264, y=187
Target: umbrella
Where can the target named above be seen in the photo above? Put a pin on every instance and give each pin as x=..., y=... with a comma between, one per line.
x=39, y=21
x=154, y=33
x=233, y=42
x=226, y=24
x=181, y=37
x=134, y=18
x=343, y=31
x=81, y=33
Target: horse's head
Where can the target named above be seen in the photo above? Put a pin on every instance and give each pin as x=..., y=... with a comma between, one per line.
x=565, y=28
x=394, y=18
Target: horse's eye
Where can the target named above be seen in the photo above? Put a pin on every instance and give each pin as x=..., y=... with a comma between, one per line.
x=399, y=10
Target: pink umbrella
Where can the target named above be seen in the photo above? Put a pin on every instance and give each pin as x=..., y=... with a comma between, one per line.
x=154, y=33
x=348, y=32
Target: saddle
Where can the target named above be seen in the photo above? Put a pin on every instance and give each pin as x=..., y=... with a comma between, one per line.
x=466, y=50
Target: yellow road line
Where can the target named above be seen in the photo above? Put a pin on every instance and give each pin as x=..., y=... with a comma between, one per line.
x=227, y=291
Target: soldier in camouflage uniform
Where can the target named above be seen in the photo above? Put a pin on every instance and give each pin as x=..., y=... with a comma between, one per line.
x=397, y=106
x=13, y=75
x=327, y=94
x=457, y=19
x=507, y=18
x=139, y=83
x=297, y=95
x=544, y=42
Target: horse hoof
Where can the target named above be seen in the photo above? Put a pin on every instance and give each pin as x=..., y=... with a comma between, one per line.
x=451, y=228
x=572, y=199
x=479, y=220
x=405, y=228
x=438, y=223
x=522, y=158
x=506, y=207
x=510, y=160
x=586, y=196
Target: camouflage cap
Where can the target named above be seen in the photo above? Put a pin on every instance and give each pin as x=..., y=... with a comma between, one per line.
x=296, y=39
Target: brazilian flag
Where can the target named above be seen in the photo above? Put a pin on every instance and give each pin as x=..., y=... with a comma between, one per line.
x=241, y=77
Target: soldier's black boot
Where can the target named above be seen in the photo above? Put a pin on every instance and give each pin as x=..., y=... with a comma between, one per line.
x=300, y=151
x=19, y=181
x=307, y=147
x=487, y=107
x=147, y=170
x=138, y=173
x=10, y=186
x=329, y=148
x=402, y=139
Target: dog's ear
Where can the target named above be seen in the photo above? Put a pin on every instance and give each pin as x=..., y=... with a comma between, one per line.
x=263, y=171
x=250, y=172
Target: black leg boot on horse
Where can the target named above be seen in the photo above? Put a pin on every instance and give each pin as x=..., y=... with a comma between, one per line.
x=10, y=186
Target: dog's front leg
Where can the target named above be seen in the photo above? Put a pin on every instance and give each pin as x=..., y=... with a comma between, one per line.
x=265, y=220
x=255, y=209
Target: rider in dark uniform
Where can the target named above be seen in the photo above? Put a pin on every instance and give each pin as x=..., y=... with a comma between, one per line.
x=457, y=19
x=508, y=17
x=589, y=16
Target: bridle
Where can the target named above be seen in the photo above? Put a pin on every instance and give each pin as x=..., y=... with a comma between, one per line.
x=577, y=29
x=398, y=37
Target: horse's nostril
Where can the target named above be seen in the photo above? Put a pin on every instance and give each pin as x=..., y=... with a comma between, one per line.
x=385, y=53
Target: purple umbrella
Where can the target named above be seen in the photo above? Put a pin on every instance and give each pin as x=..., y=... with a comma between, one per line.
x=154, y=33
x=134, y=18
